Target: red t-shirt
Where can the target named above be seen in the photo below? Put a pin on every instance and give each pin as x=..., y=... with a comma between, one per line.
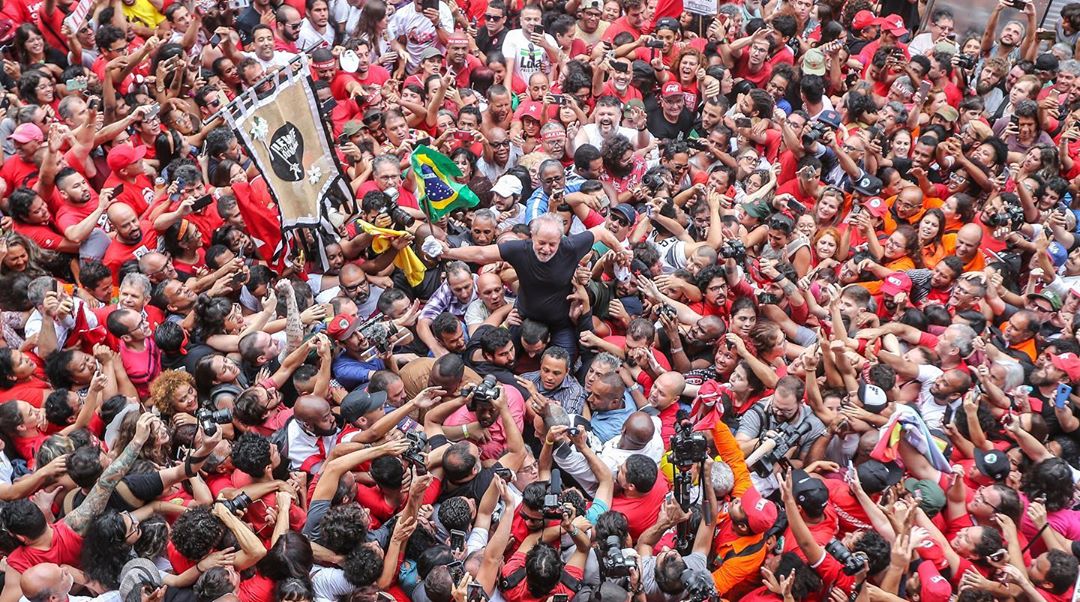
x=18, y=173
x=641, y=512
x=66, y=549
x=742, y=70
x=33, y=392
x=119, y=251
x=69, y=214
x=620, y=25
x=138, y=194
x=520, y=592
x=405, y=197
x=46, y=236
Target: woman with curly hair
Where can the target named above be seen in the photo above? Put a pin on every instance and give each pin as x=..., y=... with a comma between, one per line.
x=172, y=393
x=220, y=324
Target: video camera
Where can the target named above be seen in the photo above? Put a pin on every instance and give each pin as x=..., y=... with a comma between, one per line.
x=688, y=447
x=210, y=419
x=771, y=449
x=614, y=565
x=383, y=336
x=486, y=392
x=852, y=562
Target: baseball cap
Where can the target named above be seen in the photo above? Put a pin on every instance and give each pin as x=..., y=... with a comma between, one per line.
x=507, y=186
x=873, y=398
x=27, y=132
x=626, y=212
x=761, y=513
x=830, y=118
x=862, y=20
x=123, y=155
x=1046, y=62
x=868, y=185
x=1058, y=254
x=875, y=476
x=352, y=128
x=810, y=494
x=138, y=573
x=947, y=113
x=531, y=109
x=930, y=495
x=342, y=326
x=813, y=62
x=360, y=402
x=757, y=209
x=429, y=53
x=669, y=23
x=671, y=89
x=892, y=24
x=876, y=206
x=1049, y=296
x=895, y=283
x=591, y=5
x=349, y=61
x=932, y=586
x=994, y=464
x=1068, y=363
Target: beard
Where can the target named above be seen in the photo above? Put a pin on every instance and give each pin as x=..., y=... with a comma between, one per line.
x=135, y=238
x=321, y=432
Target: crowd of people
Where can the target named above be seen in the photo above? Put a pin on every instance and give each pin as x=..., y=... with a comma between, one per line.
x=777, y=302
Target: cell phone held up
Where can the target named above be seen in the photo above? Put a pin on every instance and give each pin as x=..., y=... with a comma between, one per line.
x=1061, y=396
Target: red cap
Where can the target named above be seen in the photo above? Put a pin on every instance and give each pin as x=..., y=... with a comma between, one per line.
x=892, y=24
x=671, y=89
x=876, y=206
x=895, y=283
x=862, y=20
x=530, y=108
x=1068, y=363
x=760, y=513
x=932, y=586
x=342, y=326
x=123, y=155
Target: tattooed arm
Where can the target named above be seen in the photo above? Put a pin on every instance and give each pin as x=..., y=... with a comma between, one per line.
x=94, y=504
x=294, y=327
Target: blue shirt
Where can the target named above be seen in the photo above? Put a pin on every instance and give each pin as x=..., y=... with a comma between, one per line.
x=352, y=373
x=538, y=201
x=607, y=425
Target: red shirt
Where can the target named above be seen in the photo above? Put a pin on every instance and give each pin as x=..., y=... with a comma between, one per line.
x=138, y=194
x=119, y=251
x=33, y=392
x=464, y=73
x=641, y=512
x=620, y=25
x=66, y=549
x=405, y=197
x=17, y=173
x=742, y=70
x=47, y=236
x=631, y=93
x=520, y=592
x=70, y=214
x=372, y=499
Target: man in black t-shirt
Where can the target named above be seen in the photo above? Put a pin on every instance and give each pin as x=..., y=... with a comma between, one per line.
x=673, y=118
x=545, y=269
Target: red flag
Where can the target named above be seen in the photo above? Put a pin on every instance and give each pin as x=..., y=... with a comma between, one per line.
x=263, y=220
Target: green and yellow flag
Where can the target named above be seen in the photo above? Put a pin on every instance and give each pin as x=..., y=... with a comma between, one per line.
x=436, y=189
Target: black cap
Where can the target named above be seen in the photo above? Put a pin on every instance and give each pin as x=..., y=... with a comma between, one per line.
x=868, y=185
x=875, y=476
x=994, y=464
x=360, y=402
x=830, y=118
x=669, y=23
x=810, y=494
x=1046, y=62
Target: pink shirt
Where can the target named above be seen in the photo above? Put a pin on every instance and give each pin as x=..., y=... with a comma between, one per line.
x=495, y=447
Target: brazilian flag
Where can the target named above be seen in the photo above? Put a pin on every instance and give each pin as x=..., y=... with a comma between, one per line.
x=436, y=190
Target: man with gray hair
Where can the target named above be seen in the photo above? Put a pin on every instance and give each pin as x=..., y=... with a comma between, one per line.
x=545, y=268
x=1016, y=41
x=482, y=229
x=55, y=315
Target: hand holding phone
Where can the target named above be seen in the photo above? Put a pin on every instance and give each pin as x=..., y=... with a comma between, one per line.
x=1062, y=395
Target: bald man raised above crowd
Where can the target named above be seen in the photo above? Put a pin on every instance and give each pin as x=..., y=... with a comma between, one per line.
x=47, y=581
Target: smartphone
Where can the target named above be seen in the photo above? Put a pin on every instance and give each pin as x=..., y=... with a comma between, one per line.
x=457, y=539
x=743, y=122
x=155, y=110
x=75, y=85
x=5, y=103
x=558, y=99
x=1049, y=36
x=1014, y=119
x=385, y=596
x=457, y=571
x=179, y=190
x=796, y=207
x=463, y=136
x=504, y=473
x=560, y=598
x=620, y=67
x=476, y=593
x=215, y=40
x=342, y=139
x=434, y=4
x=118, y=190
x=924, y=88
x=1062, y=395
x=202, y=202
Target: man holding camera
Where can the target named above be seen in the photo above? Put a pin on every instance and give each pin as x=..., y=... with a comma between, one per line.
x=784, y=419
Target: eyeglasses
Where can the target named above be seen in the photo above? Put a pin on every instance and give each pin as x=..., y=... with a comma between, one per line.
x=494, y=17
x=293, y=25
x=135, y=528
x=552, y=179
x=359, y=285
x=501, y=144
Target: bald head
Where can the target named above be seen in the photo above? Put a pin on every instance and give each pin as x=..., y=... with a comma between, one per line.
x=125, y=222
x=488, y=279
x=310, y=408
x=42, y=581
x=637, y=431
x=666, y=390
x=968, y=240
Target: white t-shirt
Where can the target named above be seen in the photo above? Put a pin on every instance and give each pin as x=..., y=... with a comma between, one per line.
x=593, y=136
x=280, y=59
x=310, y=38
x=419, y=33
x=528, y=58
x=933, y=413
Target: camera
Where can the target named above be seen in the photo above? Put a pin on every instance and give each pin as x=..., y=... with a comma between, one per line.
x=1011, y=215
x=486, y=392
x=817, y=131
x=771, y=449
x=418, y=444
x=697, y=144
x=768, y=299
x=669, y=311
x=688, y=447
x=658, y=44
x=553, y=509
x=210, y=419
x=853, y=563
x=238, y=504
x=383, y=336
x=733, y=249
x=613, y=563
x=653, y=182
x=399, y=216
x=965, y=62
x=699, y=585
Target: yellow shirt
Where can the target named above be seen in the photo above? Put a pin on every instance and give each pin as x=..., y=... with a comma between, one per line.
x=144, y=12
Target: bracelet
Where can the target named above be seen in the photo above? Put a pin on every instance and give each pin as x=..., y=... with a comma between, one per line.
x=676, y=349
x=465, y=431
x=778, y=278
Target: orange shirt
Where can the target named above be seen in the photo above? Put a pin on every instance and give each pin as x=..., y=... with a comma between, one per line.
x=742, y=557
x=728, y=450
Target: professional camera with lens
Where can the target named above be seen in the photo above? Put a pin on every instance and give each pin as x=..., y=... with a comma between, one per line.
x=688, y=447
x=699, y=585
x=733, y=249
x=669, y=311
x=965, y=62
x=400, y=217
x=238, y=504
x=418, y=444
x=852, y=563
x=210, y=419
x=486, y=392
x=613, y=563
x=653, y=181
x=1012, y=214
x=772, y=448
x=817, y=132
x=553, y=509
